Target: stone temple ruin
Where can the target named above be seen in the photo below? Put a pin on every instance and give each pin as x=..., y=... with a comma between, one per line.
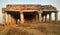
x=26, y=13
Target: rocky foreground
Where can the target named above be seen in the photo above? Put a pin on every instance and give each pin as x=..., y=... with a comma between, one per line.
x=31, y=29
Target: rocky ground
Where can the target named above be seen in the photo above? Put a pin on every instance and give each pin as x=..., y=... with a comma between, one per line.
x=31, y=29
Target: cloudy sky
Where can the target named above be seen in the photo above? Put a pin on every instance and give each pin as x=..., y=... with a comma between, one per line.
x=55, y=3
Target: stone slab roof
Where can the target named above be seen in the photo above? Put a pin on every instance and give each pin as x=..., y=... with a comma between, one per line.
x=30, y=7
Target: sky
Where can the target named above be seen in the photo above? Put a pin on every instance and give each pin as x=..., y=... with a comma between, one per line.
x=55, y=3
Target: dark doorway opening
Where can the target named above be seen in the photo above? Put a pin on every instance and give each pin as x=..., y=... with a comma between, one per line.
x=29, y=15
x=14, y=14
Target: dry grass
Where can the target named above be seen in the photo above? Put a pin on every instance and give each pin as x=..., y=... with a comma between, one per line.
x=31, y=29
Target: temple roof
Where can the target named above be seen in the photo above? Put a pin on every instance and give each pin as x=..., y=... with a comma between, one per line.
x=31, y=7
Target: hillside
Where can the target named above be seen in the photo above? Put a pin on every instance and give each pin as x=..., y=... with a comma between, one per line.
x=31, y=29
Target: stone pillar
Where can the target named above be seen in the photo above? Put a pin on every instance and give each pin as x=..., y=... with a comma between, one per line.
x=45, y=17
x=22, y=17
x=40, y=18
x=3, y=18
x=36, y=18
x=50, y=18
x=56, y=17
x=7, y=18
x=10, y=19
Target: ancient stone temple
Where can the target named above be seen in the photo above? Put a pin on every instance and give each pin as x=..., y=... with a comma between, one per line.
x=25, y=13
